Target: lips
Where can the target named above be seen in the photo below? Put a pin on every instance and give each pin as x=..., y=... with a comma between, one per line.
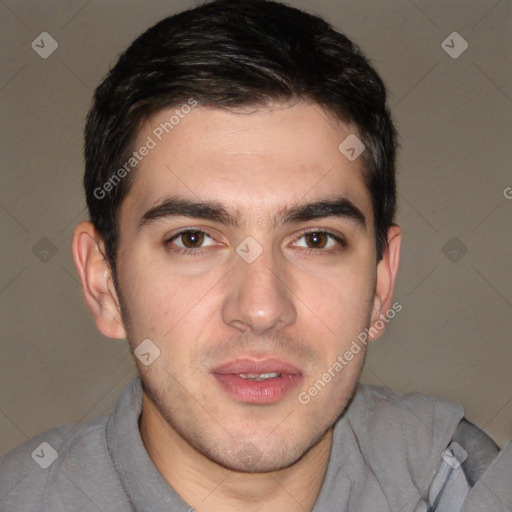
x=257, y=381
x=251, y=366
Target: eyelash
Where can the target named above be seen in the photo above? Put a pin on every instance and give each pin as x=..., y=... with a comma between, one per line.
x=319, y=252
x=310, y=252
x=181, y=250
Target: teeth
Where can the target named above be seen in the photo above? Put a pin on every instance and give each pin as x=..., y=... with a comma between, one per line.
x=259, y=376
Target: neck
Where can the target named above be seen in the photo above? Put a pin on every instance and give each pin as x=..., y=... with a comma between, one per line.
x=207, y=486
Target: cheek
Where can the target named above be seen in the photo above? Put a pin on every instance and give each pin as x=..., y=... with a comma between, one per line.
x=162, y=303
x=340, y=298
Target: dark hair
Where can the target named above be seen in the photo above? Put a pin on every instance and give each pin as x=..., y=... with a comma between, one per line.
x=228, y=54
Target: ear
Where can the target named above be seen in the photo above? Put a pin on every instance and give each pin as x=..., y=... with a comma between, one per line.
x=96, y=278
x=387, y=270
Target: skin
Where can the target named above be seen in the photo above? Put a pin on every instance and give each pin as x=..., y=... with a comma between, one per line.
x=301, y=301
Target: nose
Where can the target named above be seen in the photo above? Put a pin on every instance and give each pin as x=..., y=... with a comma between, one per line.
x=259, y=299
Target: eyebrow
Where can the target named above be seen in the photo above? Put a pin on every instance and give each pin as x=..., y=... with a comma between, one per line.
x=340, y=207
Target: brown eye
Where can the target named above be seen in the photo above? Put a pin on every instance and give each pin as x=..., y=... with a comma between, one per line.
x=316, y=240
x=192, y=239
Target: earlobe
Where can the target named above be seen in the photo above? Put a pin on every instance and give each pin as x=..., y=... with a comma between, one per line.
x=94, y=272
x=387, y=271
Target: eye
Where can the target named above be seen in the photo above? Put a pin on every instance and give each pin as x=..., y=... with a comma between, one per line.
x=190, y=239
x=319, y=239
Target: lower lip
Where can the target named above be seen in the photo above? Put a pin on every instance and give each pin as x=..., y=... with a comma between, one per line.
x=267, y=391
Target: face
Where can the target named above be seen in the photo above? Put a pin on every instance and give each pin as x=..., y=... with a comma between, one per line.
x=247, y=256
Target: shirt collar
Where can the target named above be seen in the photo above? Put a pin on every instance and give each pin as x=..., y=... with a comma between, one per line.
x=146, y=487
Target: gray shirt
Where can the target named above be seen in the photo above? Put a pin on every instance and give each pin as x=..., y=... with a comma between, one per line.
x=391, y=452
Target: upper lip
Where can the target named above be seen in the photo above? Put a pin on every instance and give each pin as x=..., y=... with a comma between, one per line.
x=256, y=366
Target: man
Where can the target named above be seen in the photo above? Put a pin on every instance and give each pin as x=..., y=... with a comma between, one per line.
x=240, y=179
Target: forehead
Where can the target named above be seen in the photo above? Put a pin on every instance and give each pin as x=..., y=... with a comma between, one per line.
x=255, y=162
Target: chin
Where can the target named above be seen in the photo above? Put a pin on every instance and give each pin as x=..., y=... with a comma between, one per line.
x=249, y=459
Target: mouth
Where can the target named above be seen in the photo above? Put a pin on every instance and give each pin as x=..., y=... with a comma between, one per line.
x=257, y=381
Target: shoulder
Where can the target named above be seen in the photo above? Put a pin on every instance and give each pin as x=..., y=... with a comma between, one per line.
x=413, y=438
x=402, y=437
x=32, y=468
x=430, y=415
x=436, y=417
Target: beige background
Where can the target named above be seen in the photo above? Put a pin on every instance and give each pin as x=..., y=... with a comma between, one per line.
x=453, y=337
